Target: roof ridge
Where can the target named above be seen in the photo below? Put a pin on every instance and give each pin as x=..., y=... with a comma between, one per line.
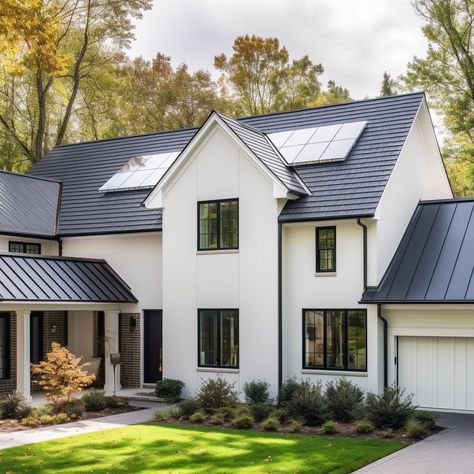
x=447, y=200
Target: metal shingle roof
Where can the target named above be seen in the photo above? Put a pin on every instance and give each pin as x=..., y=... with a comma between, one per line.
x=43, y=278
x=346, y=189
x=28, y=205
x=434, y=262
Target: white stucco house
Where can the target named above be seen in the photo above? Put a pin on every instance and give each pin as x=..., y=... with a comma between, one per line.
x=314, y=243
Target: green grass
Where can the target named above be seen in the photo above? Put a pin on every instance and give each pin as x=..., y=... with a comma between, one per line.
x=184, y=449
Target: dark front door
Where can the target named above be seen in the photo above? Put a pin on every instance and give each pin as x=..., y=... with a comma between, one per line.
x=153, y=345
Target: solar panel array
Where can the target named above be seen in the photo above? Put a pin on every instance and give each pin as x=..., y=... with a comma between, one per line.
x=319, y=144
x=140, y=172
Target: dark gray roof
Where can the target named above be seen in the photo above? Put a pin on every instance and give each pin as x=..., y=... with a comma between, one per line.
x=28, y=205
x=261, y=146
x=42, y=278
x=434, y=262
x=346, y=189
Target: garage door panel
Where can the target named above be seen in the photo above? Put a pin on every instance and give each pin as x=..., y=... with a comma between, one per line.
x=470, y=374
x=445, y=372
x=426, y=379
x=460, y=364
x=407, y=355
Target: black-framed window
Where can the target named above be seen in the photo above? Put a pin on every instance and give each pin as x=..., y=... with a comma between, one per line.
x=4, y=345
x=218, y=338
x=335, y=339
x=36, y=337
x=325, y=249
x=218, y=224
x=24, y=247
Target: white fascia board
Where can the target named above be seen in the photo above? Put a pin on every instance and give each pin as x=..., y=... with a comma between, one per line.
x=155, y=199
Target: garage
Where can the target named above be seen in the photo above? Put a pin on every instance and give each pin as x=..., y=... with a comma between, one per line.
x=439, y=371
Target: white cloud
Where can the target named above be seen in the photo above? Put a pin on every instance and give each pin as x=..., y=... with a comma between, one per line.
x=355, y=40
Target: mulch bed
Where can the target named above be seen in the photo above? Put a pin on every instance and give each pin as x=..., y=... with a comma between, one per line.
x=8, y=426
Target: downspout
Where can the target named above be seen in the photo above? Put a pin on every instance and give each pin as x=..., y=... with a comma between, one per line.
x=364, y=232
x=280, y=308
x=385, y=339
x=58, y=210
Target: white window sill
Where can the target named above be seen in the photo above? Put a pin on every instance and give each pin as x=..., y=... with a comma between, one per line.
x=218, y=251
x=340, y=373
x=218, y=370
x=325, y=274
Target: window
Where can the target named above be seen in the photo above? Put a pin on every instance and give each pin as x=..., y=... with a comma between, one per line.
x=218, y=224
x=24, y=247
x=36, y=337
x=325, y=249
x=218, y=335
x=335, y=339
x=4, y=345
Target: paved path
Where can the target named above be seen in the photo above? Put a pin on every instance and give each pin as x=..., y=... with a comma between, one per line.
x=18, y=438
x=450, y=451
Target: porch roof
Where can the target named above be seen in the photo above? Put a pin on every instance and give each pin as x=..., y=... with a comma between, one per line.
x=55, y=279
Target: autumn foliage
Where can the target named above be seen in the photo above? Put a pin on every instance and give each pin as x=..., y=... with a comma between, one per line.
x=61, y=375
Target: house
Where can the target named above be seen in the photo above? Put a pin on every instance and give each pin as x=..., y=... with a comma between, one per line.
x=315, y=243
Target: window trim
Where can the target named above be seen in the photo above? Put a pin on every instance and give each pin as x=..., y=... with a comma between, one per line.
x=218, y=366
x=324, y=367
x=218, y=201
x=24, y=244
x=7, y=350
x=318, y=260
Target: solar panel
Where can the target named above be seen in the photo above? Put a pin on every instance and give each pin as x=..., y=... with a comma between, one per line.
x=319, y=144
x=140, y=172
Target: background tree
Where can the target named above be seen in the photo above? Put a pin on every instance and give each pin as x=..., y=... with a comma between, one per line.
x=263, y=79
x=389, y=85
x=49, y=48
x=447, y=75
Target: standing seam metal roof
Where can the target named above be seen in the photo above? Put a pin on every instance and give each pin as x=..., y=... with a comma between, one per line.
x=346, y=189
x=434, y=262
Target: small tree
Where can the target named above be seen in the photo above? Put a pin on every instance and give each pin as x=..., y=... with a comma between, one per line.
x=61, y=375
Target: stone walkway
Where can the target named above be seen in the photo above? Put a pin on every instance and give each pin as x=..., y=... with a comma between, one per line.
x=449, y=451
x=18, y=438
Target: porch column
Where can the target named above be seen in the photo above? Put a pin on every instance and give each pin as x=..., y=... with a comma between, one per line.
x=23, y=374
x=111, y=345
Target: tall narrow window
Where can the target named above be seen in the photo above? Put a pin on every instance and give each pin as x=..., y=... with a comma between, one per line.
x=325, y=249
x=4, y=345
x=218, y=338
x=218, y=224
x=24, y=247
x=335, y=339
x=36, y=337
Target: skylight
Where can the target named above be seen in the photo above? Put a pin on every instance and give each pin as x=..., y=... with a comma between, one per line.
x=318, y=144
x=140, y=172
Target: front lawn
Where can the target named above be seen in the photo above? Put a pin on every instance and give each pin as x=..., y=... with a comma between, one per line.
x=185, y=449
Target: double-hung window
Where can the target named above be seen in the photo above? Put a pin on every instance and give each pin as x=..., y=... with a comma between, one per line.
x=335, y=339
x=325, y=249
x=4, y=345
x=218, y=338
x=218, y=224
x=24, y=247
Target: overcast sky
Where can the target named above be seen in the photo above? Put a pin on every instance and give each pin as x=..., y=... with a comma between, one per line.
x=355, y=40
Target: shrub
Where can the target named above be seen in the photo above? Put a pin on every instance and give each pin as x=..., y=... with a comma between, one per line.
x=390, y=409
x=240, y=409
x=217, y=419
x=271, y=424
x=30, y=420
x=188, y=407
x=345, y=400
x=94, y=400
x=416, y=429
x=296, y=426
x=243, y=422
x=197, y=417
x=227, y=413
x=330, y=427
x=256, y=392
x=287, y=391
x=166, y=414
x=428, y=418
x=217, y=393
x=116, y=402
x=169, y=389
x=73, y=410
x=14, y=406
x=308, y=403
x=60, y=418
x=260, y=412
x=364, y=427
x=61, y=375
x=281, y=414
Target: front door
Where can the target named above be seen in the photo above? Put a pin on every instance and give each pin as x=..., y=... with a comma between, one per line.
x=152, y=345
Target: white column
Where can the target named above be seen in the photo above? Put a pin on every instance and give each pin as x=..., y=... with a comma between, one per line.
x=23, y=374
x=374, y=351
x=111, y=343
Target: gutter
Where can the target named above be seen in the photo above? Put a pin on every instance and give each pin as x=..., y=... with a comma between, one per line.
x=364, y=231
x=280, y=307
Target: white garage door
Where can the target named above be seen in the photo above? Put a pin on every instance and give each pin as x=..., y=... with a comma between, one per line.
x=438, y=370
